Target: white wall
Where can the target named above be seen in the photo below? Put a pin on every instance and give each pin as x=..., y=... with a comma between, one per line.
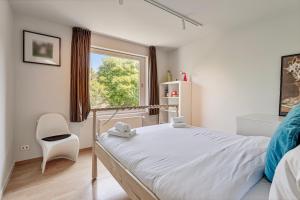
x=117, y=44
x=6, y=94
x=162, y=57
x=41, y=88
x=238, y=73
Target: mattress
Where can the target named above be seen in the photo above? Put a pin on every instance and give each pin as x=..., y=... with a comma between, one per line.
x=160, y=156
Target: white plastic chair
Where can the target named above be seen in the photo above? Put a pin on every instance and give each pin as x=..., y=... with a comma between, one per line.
x=52, y=124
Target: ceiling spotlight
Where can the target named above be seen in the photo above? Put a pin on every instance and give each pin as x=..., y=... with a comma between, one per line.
x=121, y=2
x=183, y=24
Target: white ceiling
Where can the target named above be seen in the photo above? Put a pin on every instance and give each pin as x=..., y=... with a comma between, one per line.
x=140, y=22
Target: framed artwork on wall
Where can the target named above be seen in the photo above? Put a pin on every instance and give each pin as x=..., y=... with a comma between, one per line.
x=41, y=48
x=289, y=83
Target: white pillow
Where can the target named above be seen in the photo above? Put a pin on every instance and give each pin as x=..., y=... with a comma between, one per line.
x=286, y=182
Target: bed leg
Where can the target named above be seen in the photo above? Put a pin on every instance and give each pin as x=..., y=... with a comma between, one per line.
x=94, y=157
x=94, y=167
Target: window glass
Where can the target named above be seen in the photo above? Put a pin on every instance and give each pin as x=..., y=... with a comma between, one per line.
x=114, y=80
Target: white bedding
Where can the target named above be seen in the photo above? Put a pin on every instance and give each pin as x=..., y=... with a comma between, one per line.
x=191, y=163
x=286, y=182
x=260, y=191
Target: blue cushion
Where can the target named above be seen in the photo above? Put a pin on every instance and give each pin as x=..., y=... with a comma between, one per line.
x=285, y=138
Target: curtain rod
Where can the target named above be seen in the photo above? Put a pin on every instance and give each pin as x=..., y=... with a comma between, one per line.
x=173, y=12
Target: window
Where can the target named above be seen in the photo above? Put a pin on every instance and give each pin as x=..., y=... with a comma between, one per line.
x=116, y=79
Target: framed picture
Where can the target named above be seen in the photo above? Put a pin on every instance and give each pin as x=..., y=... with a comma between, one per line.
x=290, y=83
x=41, y=49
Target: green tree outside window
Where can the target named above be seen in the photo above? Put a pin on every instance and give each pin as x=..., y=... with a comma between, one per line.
x=116, y=83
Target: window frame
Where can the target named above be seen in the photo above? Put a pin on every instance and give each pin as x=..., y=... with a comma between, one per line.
x=143, y=78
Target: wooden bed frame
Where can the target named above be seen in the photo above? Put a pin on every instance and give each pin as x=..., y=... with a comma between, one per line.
x=135, y=189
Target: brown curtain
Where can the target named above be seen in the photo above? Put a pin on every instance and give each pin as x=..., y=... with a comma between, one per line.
x=80, y=58
x=153, y=84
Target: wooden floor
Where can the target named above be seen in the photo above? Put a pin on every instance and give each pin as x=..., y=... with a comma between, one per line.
x=63, y=179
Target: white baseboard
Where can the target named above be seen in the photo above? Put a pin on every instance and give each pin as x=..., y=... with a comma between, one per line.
x=6, y=180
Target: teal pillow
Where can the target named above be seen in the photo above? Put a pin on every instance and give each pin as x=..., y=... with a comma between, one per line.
x=285, y=138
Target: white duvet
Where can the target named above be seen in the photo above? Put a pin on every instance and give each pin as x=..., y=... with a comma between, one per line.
x=286, y=181
x=191, y=163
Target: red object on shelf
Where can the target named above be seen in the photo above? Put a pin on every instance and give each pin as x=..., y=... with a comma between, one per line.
x=174, y=93
x=185, y=77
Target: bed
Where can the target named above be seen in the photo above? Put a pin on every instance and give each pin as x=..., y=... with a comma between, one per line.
x=164, y=163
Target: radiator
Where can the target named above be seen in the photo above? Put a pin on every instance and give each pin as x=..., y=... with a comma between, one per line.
x=133, y=121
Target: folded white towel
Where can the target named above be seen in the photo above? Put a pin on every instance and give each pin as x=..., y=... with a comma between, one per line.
x=178, y=119
x=122, y=127
x=179, y=125
x=115, y=132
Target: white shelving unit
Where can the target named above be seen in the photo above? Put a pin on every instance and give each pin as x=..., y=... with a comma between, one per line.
x=184, y=100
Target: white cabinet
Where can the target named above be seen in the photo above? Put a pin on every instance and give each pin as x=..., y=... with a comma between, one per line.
x=183, y=90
